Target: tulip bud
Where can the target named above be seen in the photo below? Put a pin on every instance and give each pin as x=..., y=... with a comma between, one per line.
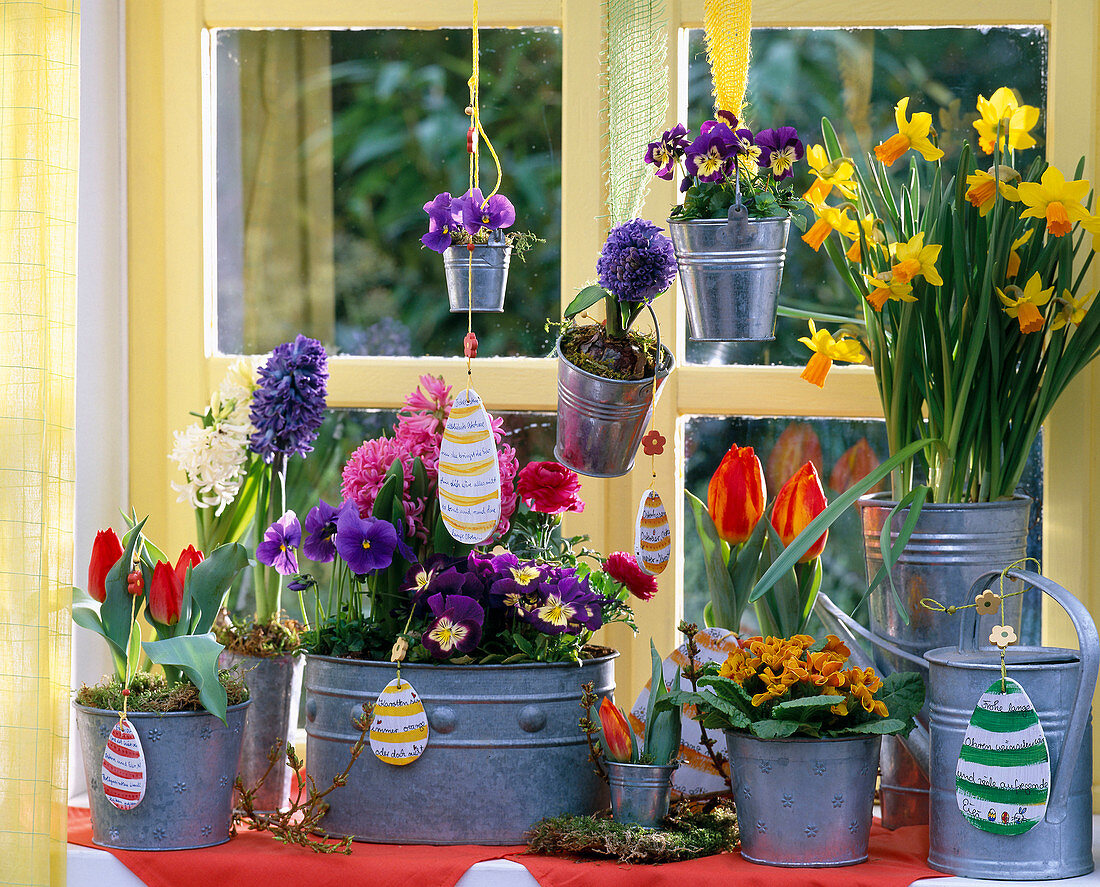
x=106, y=552
x=800, y=500
x=165, y=595
x=616, y=733
x=736, y=495
x=189, y=557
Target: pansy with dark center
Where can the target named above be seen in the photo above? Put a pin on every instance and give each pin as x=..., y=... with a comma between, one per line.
x=366, y=544
x=519, y=582
x=780, y=149
x=473, y=212
x=567, y=608
x=457, y=625
x=705, y=158
x=321, y=527
x=440, y=223
x=664, y=152
x=281, y=541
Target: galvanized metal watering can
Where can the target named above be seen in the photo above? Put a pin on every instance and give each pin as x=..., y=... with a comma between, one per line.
x=1060, y=684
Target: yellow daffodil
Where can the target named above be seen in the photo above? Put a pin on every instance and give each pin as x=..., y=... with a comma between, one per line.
x=838, y=174
x=882, y=290
x=1056, y=200
x=915, y=258
x=1013, y=256
x=1071, y=309
x=911, y=134
x=983, y=189
x=1025, y=306
x=1015, y=120
x=872, y=233
x=1092, y=225
x=829, y=219
x=827, y=349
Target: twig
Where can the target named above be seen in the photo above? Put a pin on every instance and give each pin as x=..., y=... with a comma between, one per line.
x=689, y=630
x=589, y=700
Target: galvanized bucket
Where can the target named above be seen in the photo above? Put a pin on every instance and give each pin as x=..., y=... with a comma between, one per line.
x=952, y=545
x=505, y=750
x=1060, y=684
x=640, y=793
x=601, y=421
x=275, y=688
x=804, y=801
x=191, y=761
x=730, y=272
x=489, y=265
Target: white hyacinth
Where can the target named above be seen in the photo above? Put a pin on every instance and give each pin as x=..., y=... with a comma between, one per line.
x=213, y=454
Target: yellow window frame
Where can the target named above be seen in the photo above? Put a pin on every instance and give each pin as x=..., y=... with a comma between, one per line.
x=172, y=360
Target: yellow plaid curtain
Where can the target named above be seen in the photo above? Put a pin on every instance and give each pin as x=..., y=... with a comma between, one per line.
x=38, y=156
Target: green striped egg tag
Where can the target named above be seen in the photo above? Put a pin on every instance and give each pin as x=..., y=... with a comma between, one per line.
x=1002, y=781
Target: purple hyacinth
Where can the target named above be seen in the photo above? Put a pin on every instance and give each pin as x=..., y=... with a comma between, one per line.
x=473, y=212
x=637, y=262
x=440, y=223
x=289, y=405
x=457, y=625
x=664, y=152
x=366, y=544
x=780, y=149
x=706, y=157
x=321, y=526
x=279, y=548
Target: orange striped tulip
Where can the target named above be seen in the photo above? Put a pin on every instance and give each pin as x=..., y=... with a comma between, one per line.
x=800, y=500
x=736, y=495
x=616, y=732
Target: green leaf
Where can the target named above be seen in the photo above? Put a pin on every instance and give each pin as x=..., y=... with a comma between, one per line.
x=716, y=554
x=710, y=706
x=210, y=582
x=884, y=726
x=86, y=615
x=804, y=540
x=197, y=655
x=805, y=705
x=117, y=610
x=903, y=694
x=133, y=653
x=774, y=729
x=585, y=299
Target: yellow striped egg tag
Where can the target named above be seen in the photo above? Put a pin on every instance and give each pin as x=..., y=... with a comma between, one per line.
x=469, y=475
x=652, y=536
x=399, y=726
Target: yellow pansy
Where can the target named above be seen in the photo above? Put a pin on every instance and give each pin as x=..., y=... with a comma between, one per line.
x=1016, y=121
x=1056, y=200
x=883, y=289
x=913, y=258
x=983, y=188
x=1025, y=306
x=829, y=219
x=837, y=174
x=1071, y=309
x=827, y=349
x=911, y=134
x=1013, y=256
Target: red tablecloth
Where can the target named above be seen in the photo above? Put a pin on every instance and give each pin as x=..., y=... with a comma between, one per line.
x=254, y=859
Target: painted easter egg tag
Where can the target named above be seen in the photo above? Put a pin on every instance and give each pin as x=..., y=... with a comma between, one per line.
x=469, y=475
x=652, y=537
x=1002, y=781
x=123, y=772
x=399, y=725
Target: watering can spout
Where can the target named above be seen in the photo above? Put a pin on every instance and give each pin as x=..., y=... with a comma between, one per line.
x=919, y=742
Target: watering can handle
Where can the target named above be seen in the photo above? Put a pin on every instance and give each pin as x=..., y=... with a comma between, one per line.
x=854, y=628
x=1089, y=643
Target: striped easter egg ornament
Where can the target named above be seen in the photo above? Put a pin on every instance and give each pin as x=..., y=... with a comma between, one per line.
x=1002, y=781
x=399, y=725
x=652, y=536
x=469, y=474
x=123, y=773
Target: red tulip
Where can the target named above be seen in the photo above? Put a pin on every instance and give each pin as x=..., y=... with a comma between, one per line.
x=189, y=557
x=165, y=595
x=856, y=463
x=106, y=552
x=736, y=495
x=800, y=500
x=616, y=732
x=797, y=444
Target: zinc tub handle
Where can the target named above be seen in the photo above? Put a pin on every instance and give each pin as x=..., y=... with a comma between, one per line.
x=1089, y=643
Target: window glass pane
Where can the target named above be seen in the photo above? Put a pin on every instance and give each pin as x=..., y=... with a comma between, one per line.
x=855, y=77
x=783, y=445
x=328, y=144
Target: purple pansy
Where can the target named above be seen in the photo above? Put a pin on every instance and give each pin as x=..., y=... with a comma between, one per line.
x=780, y=148
x=664, y=152
x=637, y=262
x=473, y=212
x=365, y=544
x=515, y=586
x=289, y=403
x=567, y=607
x=457, y=625
x=321, y=527
x=705, y=158
x=279, y=548
x=440, y=223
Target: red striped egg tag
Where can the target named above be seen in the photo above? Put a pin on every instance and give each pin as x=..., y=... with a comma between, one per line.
x=123, y=770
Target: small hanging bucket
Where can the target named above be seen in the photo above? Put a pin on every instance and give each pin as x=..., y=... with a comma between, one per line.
x=489, y=265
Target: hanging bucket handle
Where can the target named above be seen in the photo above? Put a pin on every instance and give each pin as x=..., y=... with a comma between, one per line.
x=496, y=237
x=1089, y=643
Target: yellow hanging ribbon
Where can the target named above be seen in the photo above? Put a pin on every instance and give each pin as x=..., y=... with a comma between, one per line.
x=728, y=28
